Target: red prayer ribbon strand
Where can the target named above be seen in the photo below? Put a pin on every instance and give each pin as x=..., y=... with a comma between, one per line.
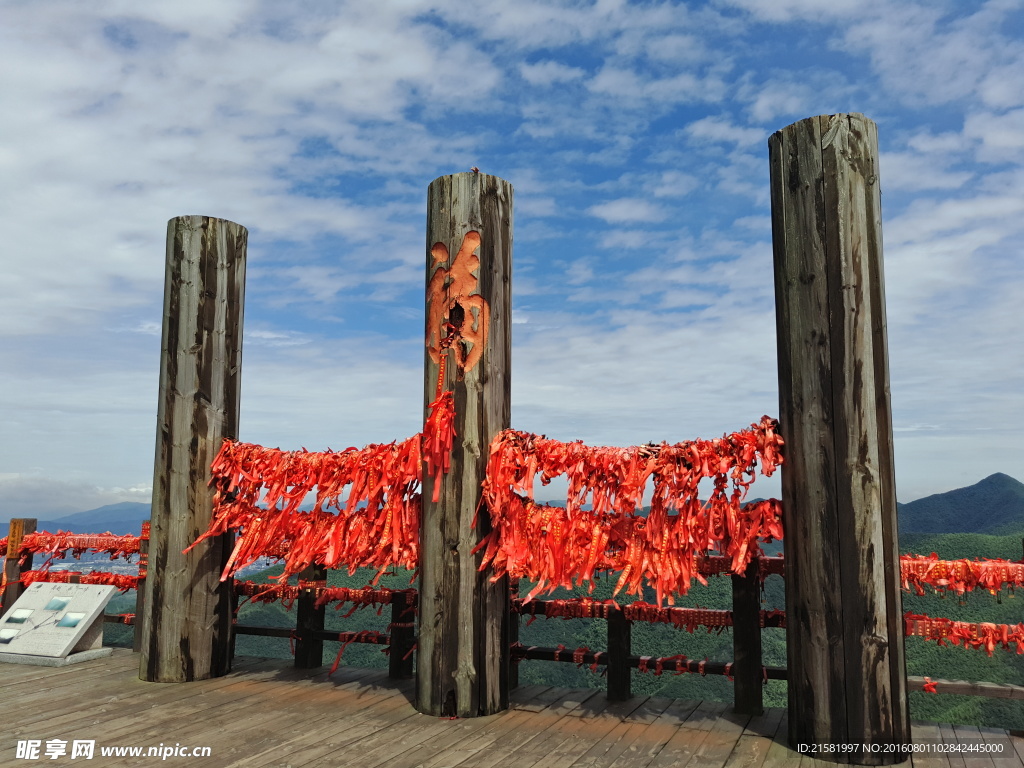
x=564, y=546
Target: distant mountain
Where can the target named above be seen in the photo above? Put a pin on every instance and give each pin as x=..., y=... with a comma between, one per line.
x=121, y=519
x=993, y=506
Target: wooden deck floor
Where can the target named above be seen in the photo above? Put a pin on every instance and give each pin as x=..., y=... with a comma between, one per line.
x=266, y=713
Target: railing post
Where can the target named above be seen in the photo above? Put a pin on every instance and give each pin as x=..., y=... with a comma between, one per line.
x=847, y=675
x=403, y=636
x=140, y=590
x=309, y=649
x=514, y=621
x=186, y=630
x=619, y=650
x=746, y=642
x=462, y=658
x=18, y=528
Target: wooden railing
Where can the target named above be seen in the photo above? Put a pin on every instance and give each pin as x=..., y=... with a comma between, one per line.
x=311, y=596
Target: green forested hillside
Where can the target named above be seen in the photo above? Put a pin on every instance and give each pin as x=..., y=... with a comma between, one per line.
x=923, y=658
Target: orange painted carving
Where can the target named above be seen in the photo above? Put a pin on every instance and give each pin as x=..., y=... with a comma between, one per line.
x=453, y=307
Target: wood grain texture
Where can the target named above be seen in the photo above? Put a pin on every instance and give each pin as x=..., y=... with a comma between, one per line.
x=463, y=639
x=620, y=648
x=187, y=623
x=845, y=642
x=309, y=649
x=268, y=713
x=17, y=529
x=748, y=685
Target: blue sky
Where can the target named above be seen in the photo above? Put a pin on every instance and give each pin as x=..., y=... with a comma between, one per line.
x=635, y=136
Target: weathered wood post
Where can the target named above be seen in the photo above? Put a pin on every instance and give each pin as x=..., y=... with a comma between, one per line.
x=140, y=590
x=186, y=630
x=462, y=654
x=847, y=677
x=748, y=683
x=17, y=529
x=620, y=647
x=309, y=620
x=403, y=636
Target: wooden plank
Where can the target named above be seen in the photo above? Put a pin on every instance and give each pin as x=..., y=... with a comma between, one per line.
x=970, y=735
x=780, y=753
x=186, y=632
x=434, y=750
x=316, y=735
x=721, y=741
x=753, y=745
x=844, y=634
x=1017, y=738
x=965, y=688
x=999, y=740
x=571, y=737
x=251, y=726
x=949, y=737
x=927, y=734
x=639, y=736
x=515, y=732
x=17, y=529
x=687, y=742
x=124, y=708
x=463, y=641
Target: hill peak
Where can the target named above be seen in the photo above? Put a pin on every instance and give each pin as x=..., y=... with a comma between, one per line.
x=994, y=505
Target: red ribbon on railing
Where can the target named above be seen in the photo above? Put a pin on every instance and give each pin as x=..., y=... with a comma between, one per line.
x=970, y=635
x=562, y=547
x=62, y=543
x=959, y=575
x=123, y=581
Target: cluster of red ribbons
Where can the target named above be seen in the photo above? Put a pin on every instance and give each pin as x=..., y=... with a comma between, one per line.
x=122, y=581
x=681, y=618
x=376, y=526
x=970, y=635
x=63, y=543
x=959, y=575
x=560, y=547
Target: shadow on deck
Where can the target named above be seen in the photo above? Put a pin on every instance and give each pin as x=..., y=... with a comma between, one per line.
x=266, y=713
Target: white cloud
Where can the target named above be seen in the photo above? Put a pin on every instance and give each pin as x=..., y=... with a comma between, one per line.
x=910, y=171
x=717, y=129
x=550, y=72
x=790, y=10
x=1001, y=136
x=627, y=209
x=933, y=53
x=319, y=127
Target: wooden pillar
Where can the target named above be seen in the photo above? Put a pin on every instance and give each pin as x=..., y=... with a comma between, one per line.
x=620, y=648
x=847, y=677
x=463, y=642
x=403, y=636
x=140, y=590
x=186, y=631
x=17, y=529
x=309, y=620
x=748, y=679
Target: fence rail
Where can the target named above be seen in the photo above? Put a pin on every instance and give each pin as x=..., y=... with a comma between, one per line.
x=312, y=595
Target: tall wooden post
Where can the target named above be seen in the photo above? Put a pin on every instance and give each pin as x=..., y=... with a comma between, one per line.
x=847, y=677
x=463, y=642
x=17, y=530
x=186, y=631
